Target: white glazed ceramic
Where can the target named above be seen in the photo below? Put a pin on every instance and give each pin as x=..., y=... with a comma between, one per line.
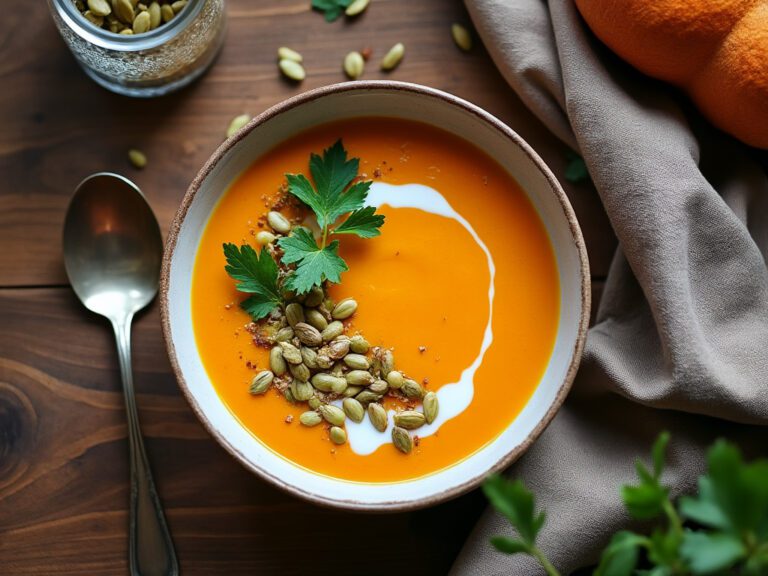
x=411, y=102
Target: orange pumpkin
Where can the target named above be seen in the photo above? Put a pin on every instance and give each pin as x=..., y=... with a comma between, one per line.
x=715, y=50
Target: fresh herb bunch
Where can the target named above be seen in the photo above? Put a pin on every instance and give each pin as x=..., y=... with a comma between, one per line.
x=335, y=194
x=721, y=530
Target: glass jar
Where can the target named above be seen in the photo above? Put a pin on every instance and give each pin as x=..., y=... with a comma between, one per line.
x=150, y=64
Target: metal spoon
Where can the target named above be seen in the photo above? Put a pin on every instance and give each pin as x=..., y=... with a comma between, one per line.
x=112, y=253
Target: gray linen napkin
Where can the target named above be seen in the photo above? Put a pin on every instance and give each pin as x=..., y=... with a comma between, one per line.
x=681, y=337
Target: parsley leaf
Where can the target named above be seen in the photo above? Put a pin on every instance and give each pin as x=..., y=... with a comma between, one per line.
x=314, y=264
x=621, y=556
x=516, y=502
x=256, y=274
x=576, y=169
x=332, y=174
x=332, y=9
x=363, y=222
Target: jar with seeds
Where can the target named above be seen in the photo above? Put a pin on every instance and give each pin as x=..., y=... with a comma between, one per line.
x=141, y=48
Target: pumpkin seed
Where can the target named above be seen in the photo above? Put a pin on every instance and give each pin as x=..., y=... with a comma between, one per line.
x=237, y=123
x=307, y=333
x=412, y=389
x=353, y=409
x=338, y=348
x=344, y=309
x=126, y=31
x=300, y=372
x=294, y=313
x=288, y=395
x=154, y=15
x=354, y=65
x=357, y=7
x=291, y=354
x=302, y=390
x=263, y=238
x=378, y=416
x=315, y=318
x=93, y=18
x=329, y=383
x=409, y=419
x=358, y=344
x=310, y=418
x=430, y=406
x=292, y=70
x=166, y=12
x=387, y=362
x=357, y=361
x=332, y=414
x=260, y=383
x=393, y=57
x=402, y=440
x=333, y=330
x=395, y=380
x=124, y=11
x=324, y=362
x=99, y=7
x=276, y=361
x=359, y=378
x=366, y=397
x=178, y=6
x=285, y=53
x=141, y=23
x=278, y=222
x=284, y=334
x=462, y=37
x=379, y=387
x=337, y=435
x=351, y=391
x=314, y=403
x=309, y=358
x=314, y=297
x=137, y=158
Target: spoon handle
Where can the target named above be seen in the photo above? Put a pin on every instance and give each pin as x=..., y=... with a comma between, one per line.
x=151, y=551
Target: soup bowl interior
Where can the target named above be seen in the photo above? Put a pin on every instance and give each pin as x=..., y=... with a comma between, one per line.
x=410, y=102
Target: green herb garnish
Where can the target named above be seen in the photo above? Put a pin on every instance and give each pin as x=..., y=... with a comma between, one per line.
x=721, y=530
x=333, y=196
x=256, y=273
x=576, y=169
x=305, y=262
x=331, y=9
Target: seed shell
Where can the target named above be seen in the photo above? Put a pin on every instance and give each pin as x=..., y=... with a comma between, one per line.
x=402, y=440
x=276, y=361
x=359, y=378
x=260, y=383
x=307, y=333
x=358, y=344
x=332, y=414
x=354, y=65
x=291, y=354
x=263, y=238
x=393, y=57
x=137, y=157
x=409, y=419
x=141, y=23
x=395, y=380
x=300, y=371
x=337, y=435
x=357, y=361
x=292, y=70
x=310, y=418
x=357, y=7
x=237, y=123
x=99, y=7
x=315, y=318
x=431, y=407
x=302, y=390
x=333, y=330
x=344, y=309
x=462, y=37
x=278, y=222
x=353, y=409
x=378, y=416
x=412, y=389
x=285, y=53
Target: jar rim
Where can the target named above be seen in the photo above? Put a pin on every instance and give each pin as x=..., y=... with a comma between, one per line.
x=89, y=32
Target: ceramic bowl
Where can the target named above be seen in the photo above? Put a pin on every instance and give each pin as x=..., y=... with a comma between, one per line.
x=410, y=102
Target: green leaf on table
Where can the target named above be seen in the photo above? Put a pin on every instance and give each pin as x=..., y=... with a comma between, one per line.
x=510, y=546
x=711, y=553
x=331, y=9
x=621, y=556
x=644, y=501
x=516, y=502
x=703, y=507
x=314, y=264
x=363, y=222
x=576, y=169
x=256, y=274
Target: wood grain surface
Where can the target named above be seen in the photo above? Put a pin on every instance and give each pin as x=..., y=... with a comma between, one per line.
x=63, y=448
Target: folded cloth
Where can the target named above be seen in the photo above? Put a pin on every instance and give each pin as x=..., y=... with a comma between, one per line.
x=680, y=342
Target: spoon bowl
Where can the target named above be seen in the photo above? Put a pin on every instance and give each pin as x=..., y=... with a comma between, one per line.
x=112, y=246
x=112, y=253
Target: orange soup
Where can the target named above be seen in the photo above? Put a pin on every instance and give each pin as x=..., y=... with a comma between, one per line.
x=424, y=286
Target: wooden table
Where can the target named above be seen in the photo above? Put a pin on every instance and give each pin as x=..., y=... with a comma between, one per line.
x=63, y=448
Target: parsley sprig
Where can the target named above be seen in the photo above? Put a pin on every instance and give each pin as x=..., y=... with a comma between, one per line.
x=333, y=195
x=331, y=9
x=721, y=530
x=307, y=263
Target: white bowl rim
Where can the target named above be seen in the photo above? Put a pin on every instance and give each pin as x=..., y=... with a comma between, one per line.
x=363, y=86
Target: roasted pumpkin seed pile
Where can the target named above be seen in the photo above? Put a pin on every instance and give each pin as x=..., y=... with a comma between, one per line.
x=129, y=16
x=313, y=360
